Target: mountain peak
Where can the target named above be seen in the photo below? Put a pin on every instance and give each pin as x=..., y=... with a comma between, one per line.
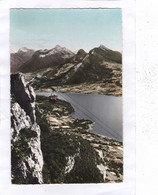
x=23, y=49
x=58, y=46
x=103, y=47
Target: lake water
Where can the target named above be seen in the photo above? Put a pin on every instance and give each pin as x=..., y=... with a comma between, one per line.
x=104, y=111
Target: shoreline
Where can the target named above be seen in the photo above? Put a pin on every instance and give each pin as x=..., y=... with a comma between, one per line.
x=57, y=115
x=79, y=108
x=86, y=91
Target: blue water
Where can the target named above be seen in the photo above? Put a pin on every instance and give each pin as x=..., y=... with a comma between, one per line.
x=104, y=111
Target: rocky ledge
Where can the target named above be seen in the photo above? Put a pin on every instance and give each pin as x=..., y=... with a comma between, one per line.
x=26, y=154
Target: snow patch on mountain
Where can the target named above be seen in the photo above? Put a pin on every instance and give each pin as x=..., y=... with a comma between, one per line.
x=57, y=49
x=23, y=49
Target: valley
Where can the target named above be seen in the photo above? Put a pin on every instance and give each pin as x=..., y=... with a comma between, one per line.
x=98, y=72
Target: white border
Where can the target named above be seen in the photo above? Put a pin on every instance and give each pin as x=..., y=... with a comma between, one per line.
x=128, y=185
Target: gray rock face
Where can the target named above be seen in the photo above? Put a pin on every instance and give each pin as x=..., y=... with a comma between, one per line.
x=27, y=158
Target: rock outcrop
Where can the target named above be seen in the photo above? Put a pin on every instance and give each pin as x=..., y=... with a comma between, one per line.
x=27, y=158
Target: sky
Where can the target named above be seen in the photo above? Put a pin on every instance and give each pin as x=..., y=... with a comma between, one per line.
x=71, y=28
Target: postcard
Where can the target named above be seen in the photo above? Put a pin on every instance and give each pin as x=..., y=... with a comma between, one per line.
x=71, y=71
x=66, y=96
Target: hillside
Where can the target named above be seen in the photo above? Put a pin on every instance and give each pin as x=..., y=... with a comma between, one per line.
x=96, y=66
x=100, y=71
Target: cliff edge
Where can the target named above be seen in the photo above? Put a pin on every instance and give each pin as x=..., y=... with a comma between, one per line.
x=26, y=154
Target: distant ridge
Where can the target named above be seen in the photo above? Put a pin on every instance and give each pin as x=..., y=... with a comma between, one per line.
x=27, y=60
x=20, y=57
x=47, y=58
x=95, y=65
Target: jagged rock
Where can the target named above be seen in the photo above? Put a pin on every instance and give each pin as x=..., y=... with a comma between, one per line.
x=27, y=158
x=102, y=170
x=70, y=163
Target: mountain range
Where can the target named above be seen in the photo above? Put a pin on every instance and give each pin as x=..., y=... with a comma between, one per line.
x=60, y=66
x=46, y=58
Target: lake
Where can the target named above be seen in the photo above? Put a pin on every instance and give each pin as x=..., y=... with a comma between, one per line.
x=105, y=111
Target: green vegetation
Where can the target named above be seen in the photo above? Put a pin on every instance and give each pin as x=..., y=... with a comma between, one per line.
x=97, y=67
x=57, y=146
x=91, y=70
x=116, y=167
x=85, y=170
x=47, y=107
x=20, y=152
x=108, y=55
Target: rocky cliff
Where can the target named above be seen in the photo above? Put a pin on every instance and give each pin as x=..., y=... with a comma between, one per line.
x=27, y=158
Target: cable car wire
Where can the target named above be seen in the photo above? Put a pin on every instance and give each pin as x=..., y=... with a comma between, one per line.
x=100, y=122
